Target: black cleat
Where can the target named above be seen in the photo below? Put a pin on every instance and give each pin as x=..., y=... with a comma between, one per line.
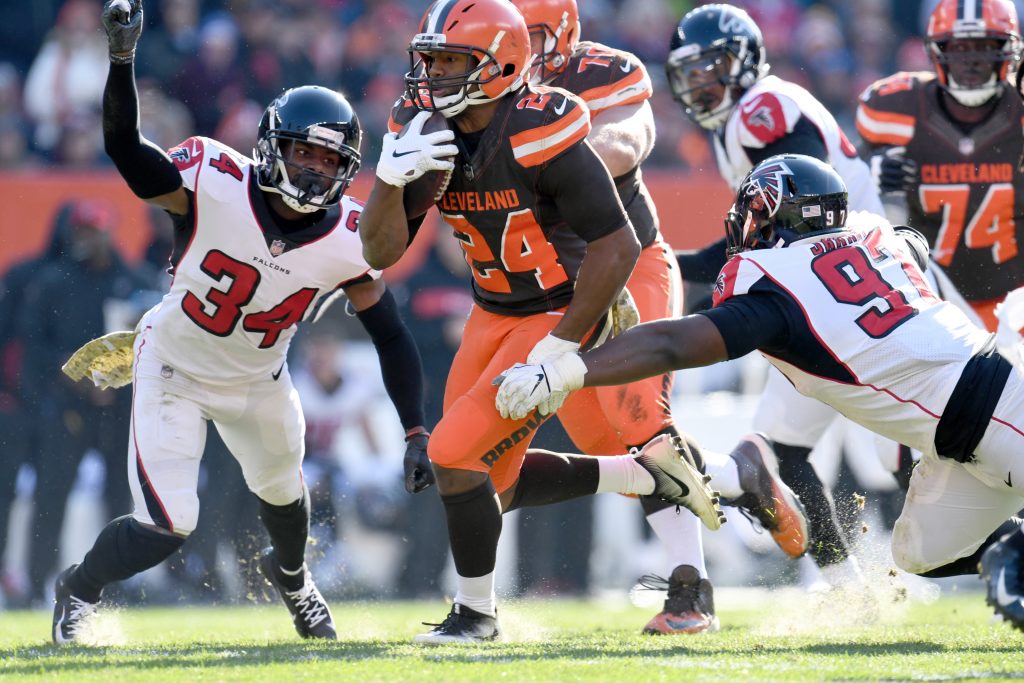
x=69, y=613
x=1000, y=569
x=310, y=613
x=689, y=607
x=462, y=625
x=766, y=497
x=678, y=480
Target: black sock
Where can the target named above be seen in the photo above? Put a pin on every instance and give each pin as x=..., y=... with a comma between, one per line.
x=288, y=527
x=474, y=525
x=967, y=566
x=827, y=544
x=123, y=549
x=547, y=477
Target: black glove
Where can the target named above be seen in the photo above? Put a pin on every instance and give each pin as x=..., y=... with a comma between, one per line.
x=917, y=243
x=122, y=20
x=418, y=473
x=892, y=172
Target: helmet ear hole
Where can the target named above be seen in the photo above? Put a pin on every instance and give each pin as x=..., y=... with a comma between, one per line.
x=509, y=70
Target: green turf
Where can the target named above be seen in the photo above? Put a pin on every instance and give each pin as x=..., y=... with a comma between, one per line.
x=783, y=636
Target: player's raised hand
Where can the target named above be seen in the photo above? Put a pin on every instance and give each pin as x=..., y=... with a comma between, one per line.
x=122, y=20
x=419, y=475
x=410, y=153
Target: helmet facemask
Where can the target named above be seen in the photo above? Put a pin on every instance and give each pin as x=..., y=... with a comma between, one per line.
x=303, y=189
x=549, y=61
x=998, y=53
x=693, y=74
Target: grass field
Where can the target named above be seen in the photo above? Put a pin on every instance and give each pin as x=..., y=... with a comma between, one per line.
x=781, y=636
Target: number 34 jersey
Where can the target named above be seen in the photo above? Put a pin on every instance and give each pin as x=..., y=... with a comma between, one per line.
x=970, y=199
x=864, y=333
x=238, y=294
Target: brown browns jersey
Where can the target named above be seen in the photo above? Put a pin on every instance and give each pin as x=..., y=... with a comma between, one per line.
x=604, y=77
x=970, y=199
x=523, y=255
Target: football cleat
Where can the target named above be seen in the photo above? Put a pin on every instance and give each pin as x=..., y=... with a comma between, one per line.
x=1000, y=569
x=766, y=497
x=309, y=610
x=462, y=625
x=69, y=613
x=677, y=479
x=689, y=607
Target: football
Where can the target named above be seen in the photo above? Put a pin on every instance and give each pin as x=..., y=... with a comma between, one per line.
x=421, y=193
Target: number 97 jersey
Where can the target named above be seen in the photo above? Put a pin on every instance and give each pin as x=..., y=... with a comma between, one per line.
x=237, y=293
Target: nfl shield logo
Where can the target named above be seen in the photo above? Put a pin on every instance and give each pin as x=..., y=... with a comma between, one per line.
x=967, y=146
x=276, y=248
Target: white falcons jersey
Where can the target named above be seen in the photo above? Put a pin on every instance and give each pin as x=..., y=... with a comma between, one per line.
x=235, y=300
x=766, y=113
x=866, y=334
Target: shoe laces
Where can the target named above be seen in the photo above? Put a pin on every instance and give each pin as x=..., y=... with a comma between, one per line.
x=681, y=598
x=80, y=609
x=759, y=517
x=310, y=603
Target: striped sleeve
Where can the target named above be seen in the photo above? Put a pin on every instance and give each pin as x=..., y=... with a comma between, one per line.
x=884, y=128
x=537, y=146
x=634, y=87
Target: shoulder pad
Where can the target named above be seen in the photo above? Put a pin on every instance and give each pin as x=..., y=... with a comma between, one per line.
x=737, y=277
x=605, y=77
x=887, y=111
x=765, y=118
x=188, y=153
x=544, y=122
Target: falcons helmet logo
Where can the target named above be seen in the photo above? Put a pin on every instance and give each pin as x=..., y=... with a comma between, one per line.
x=764, y=188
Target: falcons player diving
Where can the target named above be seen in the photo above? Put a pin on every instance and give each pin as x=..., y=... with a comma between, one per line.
x=616, y=88
x=950, y=143
x=260, y=245
x=550, y=247
x=718, y=72
x=839, y=304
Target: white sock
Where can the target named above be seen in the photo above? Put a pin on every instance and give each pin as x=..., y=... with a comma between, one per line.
x=679, y=533
x=725, y=478
x=623, y=474
x=477, y=593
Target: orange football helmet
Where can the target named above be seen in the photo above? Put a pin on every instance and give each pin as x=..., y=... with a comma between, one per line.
x=558, y=22
x=972, y=32
x=491, y=32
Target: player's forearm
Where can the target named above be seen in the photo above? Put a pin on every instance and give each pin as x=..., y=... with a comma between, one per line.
x=604, y=271
x=383, y=226
x=147, y=170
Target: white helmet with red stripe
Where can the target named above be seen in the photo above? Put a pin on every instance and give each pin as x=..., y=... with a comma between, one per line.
x=973, y=44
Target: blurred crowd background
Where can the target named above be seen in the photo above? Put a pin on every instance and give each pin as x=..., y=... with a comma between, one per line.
x=208, y=67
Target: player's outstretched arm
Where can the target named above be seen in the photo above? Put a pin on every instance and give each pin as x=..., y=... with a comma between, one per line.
x=623, y=136
x=149, y=172
x=401, y=370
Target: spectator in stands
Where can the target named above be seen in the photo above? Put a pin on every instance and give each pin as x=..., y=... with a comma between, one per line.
x=213, y=79
x=170, y=43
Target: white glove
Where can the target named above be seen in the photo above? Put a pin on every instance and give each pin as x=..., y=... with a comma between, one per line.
x=525, y=388
x=549, y=347
x=1010, y=314
x=406, y=158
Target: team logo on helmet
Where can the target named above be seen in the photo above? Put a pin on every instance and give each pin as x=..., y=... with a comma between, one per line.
x=765, y=187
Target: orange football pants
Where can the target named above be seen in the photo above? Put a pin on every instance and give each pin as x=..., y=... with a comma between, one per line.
x=472, y=435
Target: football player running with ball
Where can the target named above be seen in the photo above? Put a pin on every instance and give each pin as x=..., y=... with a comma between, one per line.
x=550, y=247
x=839, y=304
x=260, y=245
x=616, y=88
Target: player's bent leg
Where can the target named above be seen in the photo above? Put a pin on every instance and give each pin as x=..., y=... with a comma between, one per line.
x=1002, y=569
x=123, y=549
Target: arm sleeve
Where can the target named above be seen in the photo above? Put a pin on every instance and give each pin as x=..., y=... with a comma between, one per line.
x=584, y=192
x=803, y=139
x=748, y=323
x=400, y=365
x=148, y=171
x=702, y=265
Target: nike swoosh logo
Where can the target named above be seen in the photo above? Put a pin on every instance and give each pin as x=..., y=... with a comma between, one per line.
x=625, y=66
x=277, y=374
x=561, y=108
x=1003, y=596
x=1009, y=479
x=397, y=154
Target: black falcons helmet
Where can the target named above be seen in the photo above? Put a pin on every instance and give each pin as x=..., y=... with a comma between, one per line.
x=719, y=38
x=315, y=116
x=785, y=198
